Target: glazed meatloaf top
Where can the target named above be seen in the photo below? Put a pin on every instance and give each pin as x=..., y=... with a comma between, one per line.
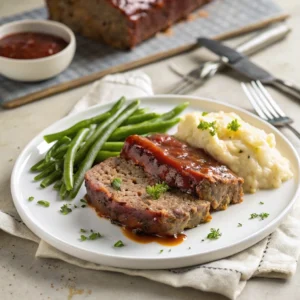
x=189, y=169
x=131, y=206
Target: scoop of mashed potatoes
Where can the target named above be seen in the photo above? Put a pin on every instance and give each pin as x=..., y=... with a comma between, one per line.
x=248, y=151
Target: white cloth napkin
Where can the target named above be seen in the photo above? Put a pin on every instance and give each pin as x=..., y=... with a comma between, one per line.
x=275, y=256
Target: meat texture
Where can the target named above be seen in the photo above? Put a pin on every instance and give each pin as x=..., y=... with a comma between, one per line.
x=132, y=207
x=181, y=166
x=120, y=23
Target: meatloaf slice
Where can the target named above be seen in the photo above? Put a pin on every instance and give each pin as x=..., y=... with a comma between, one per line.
x=132, y=207
x=189, y=169
x=120, y=23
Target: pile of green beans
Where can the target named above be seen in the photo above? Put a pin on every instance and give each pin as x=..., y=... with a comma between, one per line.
x=90, y=141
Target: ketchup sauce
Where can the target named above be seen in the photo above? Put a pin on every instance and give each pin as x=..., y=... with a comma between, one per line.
x=30, y=45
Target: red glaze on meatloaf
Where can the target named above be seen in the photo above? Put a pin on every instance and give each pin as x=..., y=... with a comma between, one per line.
x=120, y=23
x=189, y=169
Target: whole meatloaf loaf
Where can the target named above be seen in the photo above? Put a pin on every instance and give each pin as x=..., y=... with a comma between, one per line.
x=132, y=207
x=120, y=23
x=189, y=169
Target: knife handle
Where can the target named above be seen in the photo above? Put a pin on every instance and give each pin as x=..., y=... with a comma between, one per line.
x=287, y=87
x=263, y=39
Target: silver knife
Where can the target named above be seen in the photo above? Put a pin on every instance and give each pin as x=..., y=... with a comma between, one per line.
x=244, y=66
x=208, y=69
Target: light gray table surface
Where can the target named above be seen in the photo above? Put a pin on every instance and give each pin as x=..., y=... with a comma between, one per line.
x=22, y=276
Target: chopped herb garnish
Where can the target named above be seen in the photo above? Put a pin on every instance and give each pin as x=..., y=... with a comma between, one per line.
x=248, y=156
x=31, y=198
x=83, y=201
x=82, y=230
x=119, y=244
x=156, y=190
x=92, y=230
x=44, y=203
x=83, y=206
x=241, y=151
x=116, y=184
x=214, y=234
x=253, y=216
x=94, y=236
x=234, y=125
x=204, y=113
x=11, y=159
x=65, y=209
x=75, y=206
x=211, y=126
x=161, y=251
x=169, y=250
x=83, y=237
x=261, y=203
x=189, y=248
x=263, y=215
x=202, y=240
x=240, y=224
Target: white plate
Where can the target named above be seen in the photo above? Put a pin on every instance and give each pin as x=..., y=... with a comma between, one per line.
x=63, y=231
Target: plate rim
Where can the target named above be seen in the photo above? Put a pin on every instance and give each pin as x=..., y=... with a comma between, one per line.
x=116, y=261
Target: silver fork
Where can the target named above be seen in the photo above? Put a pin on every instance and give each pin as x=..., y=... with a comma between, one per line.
x=266, y=107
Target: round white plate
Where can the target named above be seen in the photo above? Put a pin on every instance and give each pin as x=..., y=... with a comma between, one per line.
x=63, y=231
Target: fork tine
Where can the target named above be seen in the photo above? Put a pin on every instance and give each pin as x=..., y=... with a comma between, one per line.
x=264, y=99
x=273, y=104
x=179, y=86
x=261, y=100
x=253, y=100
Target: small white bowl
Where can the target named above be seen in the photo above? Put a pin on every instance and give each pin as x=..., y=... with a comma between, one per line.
x=40, y=68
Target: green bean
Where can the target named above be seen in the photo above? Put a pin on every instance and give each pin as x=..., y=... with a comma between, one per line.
x=122, y=132
x=70, y=157
x=61, y=150
x=58, y=184
x=140, y=111
x=63, y=140
x=140, y=118
x=50, y=169
x=51, y=178
x=63, y=193
x=103, y=155
x=172, y=113
x=37, y=166
x=112, y=146
x=84, y=149
x=92, y=129
x=73, y=129
x=90, y=157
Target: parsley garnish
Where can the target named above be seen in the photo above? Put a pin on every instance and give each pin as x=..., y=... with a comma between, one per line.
x=116, y=184
x=83, y=237
x=211, y=126
x=83, y=201
x=253, y=216
x=234, y=125
x=240, y=224
x=44, y=203
x=241, y=151
x=31, y=198
x=156, y=190
x=214, y=234
x=119, y=244
x=262, y=216
x=65, y=209
x=82, y=230
x=205, y=113
x=83, y=206
x=161, y=251
x=94, y=236
x=261, y=203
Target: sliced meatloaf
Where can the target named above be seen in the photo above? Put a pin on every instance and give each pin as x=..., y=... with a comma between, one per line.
x=179, y=165
x=132, y=207
x=120, y=23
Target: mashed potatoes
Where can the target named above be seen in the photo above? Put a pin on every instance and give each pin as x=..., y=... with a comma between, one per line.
x=245, y=149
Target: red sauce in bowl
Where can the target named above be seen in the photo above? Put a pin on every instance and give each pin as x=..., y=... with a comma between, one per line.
x=30, y=45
